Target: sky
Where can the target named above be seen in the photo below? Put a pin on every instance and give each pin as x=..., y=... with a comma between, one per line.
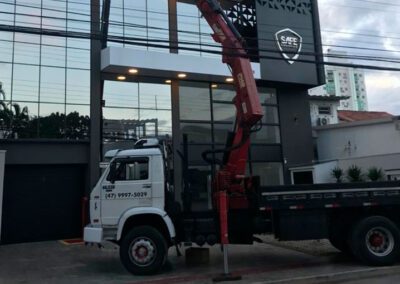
x=342, y=22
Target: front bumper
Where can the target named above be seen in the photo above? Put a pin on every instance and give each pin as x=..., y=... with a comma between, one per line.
x=93, y=234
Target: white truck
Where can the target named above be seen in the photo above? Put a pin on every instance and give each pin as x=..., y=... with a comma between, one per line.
x=133, y=202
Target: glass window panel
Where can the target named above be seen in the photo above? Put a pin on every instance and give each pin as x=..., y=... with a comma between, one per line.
x=54, y=15
x=206, y=38
x=78, y=16
x=267, y=135
x=121, y=123
x=77, y=122
x=116, y=21
x=268, y=96
x=197, y=132
x=121, y=94
x=81, y=110
x=52, y=85
x=6, y=14
x=27, y=14
x=135, y=21
x=188, y=28
x=271, y=174
x=120, y=114
x=52, y=121
x=78, y=43
x=223, y=93
x=78, y=86
x=194, y=99
x=157, y=17
x=6, y=46
x=26, y=83
x=27, y=38
x=221, y=132
x=24, y=121
x=224, y=112
x=270, y=115
x=5, y=80
x=78, y=58
x=155, y=96
x=53, y=56
x=53, y=41
x=26, y=53
x=157, y=122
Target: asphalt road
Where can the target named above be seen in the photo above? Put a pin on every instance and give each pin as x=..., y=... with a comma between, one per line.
x=270, y=262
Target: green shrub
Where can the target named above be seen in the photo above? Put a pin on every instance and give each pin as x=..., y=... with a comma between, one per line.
x=354, y=174
x=337, y=173
x=375, y=174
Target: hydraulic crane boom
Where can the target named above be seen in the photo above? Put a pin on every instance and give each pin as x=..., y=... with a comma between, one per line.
x=230, y=185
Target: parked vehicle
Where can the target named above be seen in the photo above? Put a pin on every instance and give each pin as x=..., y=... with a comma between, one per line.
x=133, y=203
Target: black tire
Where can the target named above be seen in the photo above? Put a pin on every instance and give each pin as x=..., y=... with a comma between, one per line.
x=143, y=250
x=375, y=241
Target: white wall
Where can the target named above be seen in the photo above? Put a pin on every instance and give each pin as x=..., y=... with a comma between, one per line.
x=358, y=141
x=323, y=172
x=389, y=162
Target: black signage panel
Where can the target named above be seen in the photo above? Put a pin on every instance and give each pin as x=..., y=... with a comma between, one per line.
x=286, y=37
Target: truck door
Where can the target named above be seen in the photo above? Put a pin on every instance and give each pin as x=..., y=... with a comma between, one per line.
x=127, y=185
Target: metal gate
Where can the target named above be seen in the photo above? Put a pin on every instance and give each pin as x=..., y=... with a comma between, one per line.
x=42, y=202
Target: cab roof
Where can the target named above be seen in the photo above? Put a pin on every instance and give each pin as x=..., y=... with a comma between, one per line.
x=139, y=152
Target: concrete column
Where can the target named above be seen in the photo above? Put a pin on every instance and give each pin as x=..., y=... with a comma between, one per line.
x=318, y=43
x=173, y=26
x=95, y=95
x=176, y=140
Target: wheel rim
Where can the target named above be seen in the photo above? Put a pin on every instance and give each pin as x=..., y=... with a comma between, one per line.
x=142, y=251
x=380, y=241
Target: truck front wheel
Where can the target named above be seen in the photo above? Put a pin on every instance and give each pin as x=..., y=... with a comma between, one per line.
x=143, y=250
x=375, y=241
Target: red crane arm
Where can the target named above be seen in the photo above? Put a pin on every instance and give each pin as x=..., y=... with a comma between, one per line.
x=230, y=188
x=249, y=110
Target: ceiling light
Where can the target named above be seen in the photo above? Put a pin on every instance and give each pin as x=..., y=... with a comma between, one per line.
x=182, y=75
x=229, y=80
x=121, y=78
x=214, y=86
x=168, y=81
x=133, y=71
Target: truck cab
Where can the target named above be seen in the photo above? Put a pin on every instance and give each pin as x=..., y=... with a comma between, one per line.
x=128, y=197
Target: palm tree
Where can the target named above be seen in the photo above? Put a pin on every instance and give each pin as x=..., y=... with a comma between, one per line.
x=20, y=119
x=13, y=119
x=6, y=117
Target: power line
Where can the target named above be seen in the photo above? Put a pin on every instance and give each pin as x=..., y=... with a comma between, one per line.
x=166, y=13
x=210, y=45
x=140, y=43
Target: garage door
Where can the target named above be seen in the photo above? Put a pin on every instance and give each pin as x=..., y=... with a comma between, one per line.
x=42, y=202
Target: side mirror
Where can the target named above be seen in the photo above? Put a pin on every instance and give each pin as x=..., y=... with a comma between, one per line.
x=113, y=172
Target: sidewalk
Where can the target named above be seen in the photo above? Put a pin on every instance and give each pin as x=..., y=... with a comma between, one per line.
x=54, y=262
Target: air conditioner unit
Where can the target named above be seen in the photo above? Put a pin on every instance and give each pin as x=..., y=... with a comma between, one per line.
x=323, y=121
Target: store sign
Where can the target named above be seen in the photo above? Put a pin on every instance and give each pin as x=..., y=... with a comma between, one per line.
x=290, y=44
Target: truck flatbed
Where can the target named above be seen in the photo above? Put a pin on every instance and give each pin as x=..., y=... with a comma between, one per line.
x=297, y=197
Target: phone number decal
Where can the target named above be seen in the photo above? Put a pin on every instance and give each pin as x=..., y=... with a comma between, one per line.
x=126, y=195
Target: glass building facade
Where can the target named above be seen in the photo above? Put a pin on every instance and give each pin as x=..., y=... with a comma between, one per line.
x=45, y=79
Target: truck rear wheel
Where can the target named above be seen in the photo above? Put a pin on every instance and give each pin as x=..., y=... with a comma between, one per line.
x=375, y=241
x=143, y=250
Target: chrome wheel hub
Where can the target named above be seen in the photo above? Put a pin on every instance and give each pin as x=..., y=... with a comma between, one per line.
x=379, y=241
x=143, y=251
